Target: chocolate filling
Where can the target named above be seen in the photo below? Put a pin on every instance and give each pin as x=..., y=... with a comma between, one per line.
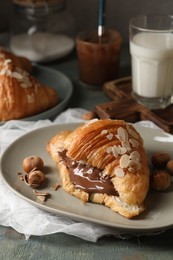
x=87, y=178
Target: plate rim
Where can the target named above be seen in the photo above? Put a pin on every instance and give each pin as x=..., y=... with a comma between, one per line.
x=75, y=216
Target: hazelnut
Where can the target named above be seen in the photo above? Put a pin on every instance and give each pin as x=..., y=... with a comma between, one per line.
x=35, y=178
x=31, y=162
x=90, y=115
x=160, y=180
x=169, y=166
x=160, y=159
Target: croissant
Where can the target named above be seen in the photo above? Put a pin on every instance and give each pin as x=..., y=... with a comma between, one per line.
x=21, y=94
x=103, y=161
x=20, y=62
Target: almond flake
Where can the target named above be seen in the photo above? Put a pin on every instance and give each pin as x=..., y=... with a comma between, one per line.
x=16, y=75
x=138, y=165
x=109, y=149
x=3, y=71
x=109, y=136
x=122, y=134
x=7, y=61
x=134, y=142
x=30, y=98
x=131, y=169
x=135, y=164
x=133, y=133
x=124, y=161
x=135, y=156
x=115, y=151
x=126, y=144
x=119, y=172
x=8, y=72
x=104, y=131
x=122, y=150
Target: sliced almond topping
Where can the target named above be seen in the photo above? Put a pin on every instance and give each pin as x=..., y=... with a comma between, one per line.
x=134, y=142
x=2, y=72
x=138, y=165
x=8, y=72
x=122, y=150
x=126, y=144
x=109, y=149
x=104, y=131
x=133, y=133
x=119, y=172
x=135, y=156
x=16, y=75
x=115, y=151
x=122, y=134
x=131, y=169
x=109, y=136
x=7, y=61
x=135, y=164
x=124, y=161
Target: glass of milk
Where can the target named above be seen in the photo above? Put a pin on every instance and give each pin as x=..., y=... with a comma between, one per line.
x=151, y=48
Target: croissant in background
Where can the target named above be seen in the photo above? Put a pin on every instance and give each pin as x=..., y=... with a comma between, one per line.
x=18, y=62
x=103, y=161
x=21, y=94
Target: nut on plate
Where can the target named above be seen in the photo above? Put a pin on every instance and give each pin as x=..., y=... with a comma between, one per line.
x=160, y=180
x=169, y=166
x=160, y=159
x=31, y=162
x=35, y=178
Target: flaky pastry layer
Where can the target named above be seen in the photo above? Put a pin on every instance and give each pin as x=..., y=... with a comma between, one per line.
x=21, y=94
x=116, y=149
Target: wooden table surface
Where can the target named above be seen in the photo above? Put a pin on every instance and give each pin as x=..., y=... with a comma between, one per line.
x=61, y=246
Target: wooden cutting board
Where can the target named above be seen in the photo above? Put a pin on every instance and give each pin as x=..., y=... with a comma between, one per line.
x=123, y=106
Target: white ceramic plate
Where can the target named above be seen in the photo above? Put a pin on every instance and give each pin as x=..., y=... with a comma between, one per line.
x=60, y=82
x=158, y=215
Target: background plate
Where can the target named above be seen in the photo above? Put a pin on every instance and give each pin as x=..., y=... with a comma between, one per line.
x=60, y=83
x=32, y=47
x=158, y=215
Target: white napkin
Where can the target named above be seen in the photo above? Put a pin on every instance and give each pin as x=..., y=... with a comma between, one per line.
x=26, y=218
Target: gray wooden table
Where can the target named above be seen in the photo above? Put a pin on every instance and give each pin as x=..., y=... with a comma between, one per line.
x=61, y=246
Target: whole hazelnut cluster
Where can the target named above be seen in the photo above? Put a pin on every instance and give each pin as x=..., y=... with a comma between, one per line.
x=162, y=171
x=33, y=166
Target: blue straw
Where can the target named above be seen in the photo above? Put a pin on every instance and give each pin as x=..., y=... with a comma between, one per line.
x=101, y=20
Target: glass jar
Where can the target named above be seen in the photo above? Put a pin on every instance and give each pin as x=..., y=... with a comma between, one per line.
x=41, y=31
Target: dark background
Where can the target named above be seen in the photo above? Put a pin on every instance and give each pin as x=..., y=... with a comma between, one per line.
x=82, y=14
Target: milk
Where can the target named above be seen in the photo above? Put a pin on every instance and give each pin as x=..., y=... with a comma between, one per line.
x=152, y=64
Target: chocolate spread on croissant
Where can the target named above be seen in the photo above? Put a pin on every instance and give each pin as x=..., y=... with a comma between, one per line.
x=86, y=178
